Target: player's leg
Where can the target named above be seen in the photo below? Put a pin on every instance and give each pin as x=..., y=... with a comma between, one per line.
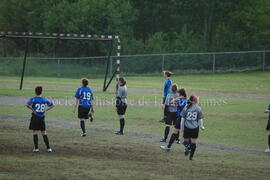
x=35, y=140
x=172, y=139
x=268, y=149
x=121, y=110
x=46, y=140
x=164, y=111
x=82, y=124
x=168, y=123
x=193, y=145
x=83, y=114
x=186, y=143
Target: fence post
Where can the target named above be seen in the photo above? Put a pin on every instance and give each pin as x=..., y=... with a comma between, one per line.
x=111, y=65
x=163, y=62
x=214, y=63
x=263, y=61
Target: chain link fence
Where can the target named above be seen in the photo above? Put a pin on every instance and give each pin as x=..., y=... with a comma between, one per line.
x=75, y=67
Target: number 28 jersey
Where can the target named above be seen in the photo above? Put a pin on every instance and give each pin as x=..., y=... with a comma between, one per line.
x=85, y=95
x=39, y=104
x=191, y=116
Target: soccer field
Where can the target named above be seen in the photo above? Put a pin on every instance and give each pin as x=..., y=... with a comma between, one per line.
x=231, y=147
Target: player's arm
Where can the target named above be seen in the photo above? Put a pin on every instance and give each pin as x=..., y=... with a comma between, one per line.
x=49, y=108
x=266, y=111
x=201, y=124
x=29, y=106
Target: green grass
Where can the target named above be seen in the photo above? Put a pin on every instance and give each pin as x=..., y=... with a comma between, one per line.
x=235, y=122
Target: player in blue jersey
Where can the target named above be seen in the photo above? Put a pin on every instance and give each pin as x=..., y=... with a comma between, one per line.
x=84, y=97
x=268, y=128
x=181, y=102
x=166, y=91
x=38, y=106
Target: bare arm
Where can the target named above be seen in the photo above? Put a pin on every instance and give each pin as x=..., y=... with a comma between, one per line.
x=49, y=108
x=266, y=111
x=76, y=105
x=30, y=107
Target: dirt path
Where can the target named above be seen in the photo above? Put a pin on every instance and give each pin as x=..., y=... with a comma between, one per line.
x=57, y=124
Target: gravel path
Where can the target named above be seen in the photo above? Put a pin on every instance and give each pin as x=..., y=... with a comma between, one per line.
x=57, y=124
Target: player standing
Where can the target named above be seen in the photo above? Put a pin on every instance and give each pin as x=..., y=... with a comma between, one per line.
x=121, y=103
x=192, y=119
x=268, y=128
x=84, y=97
x=166, y=91
x=38, y=105
x=171, y=112
x=181, y=103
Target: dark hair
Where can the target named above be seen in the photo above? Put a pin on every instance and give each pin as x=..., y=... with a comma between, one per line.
x=167, y=73
x=122, y=80
x=38, y=90
x=174, y=88
x=182, y=92
x=84, y=82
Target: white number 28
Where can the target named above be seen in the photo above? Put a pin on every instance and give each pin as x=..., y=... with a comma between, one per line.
x=191, y=116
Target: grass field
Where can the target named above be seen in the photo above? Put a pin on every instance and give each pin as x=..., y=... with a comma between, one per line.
x=231, y=147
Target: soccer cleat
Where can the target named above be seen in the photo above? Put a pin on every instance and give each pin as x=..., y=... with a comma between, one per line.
x=83, y=134
x=190, y=158
x=119, y=133
x=163, y=140
x=267, y=150
x=49, y=150
x=178, y=141
x=186, y=151
x=35, y=150
x=91, y=117
x=165, y=148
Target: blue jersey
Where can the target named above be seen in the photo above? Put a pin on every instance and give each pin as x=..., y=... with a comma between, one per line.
x=269, y=110
x=85, y=95
x=39, y=104
x=181, y=103
x=167, y=87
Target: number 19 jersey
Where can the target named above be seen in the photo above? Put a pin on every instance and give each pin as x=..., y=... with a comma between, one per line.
x=85, y=95
x=39, y=104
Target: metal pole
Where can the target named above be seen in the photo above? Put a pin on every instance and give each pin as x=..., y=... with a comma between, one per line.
x=214, y=63
x=263, y=61
x=163, y=62
x=107, y=66
x=24, y=62
x=111, y=65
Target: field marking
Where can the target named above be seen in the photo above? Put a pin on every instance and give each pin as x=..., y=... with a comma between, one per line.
x=57, y=124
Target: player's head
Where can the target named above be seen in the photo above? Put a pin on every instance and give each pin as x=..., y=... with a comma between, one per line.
x=38, y=90
x=182, y=92
x=122, y=81
x=174, y=88
x=193, y=98
x=84, y=82
x=167, y=74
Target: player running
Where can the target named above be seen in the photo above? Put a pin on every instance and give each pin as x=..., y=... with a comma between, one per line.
x=268, y=128
x=166, y=91
x=121, y=103
x=171, y=112
x=192, y=120
x=84, y=97
x=38, y=105
x=181, y=103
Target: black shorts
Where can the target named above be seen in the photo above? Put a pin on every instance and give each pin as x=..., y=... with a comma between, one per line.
x=177, y=124
x=268, y=125
x=171, y=118
x=121, y=109
x=191, y=133
x=83, y=113
x=37, y=123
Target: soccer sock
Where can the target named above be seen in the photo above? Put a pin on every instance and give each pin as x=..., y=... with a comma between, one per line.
x=166, y=132
x=46, y=141
x=172, y=139
x=177, y=136
x=122, y=124
x=193, y=148
x=35, y=138
x=83, y=126
x=269, y=141
x=186, y=143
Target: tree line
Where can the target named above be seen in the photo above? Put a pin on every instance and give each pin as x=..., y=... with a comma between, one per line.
x=145, y=26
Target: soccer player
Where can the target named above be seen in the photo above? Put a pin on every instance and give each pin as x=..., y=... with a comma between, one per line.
x=38, y=105
x=268, y=128
x=181, y=103
x=171, y=112
x=166, y=91
x=192, y=120
x=84, y=97
x=121, y=103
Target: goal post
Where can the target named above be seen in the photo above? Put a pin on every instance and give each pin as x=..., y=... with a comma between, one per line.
x=27, y=36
